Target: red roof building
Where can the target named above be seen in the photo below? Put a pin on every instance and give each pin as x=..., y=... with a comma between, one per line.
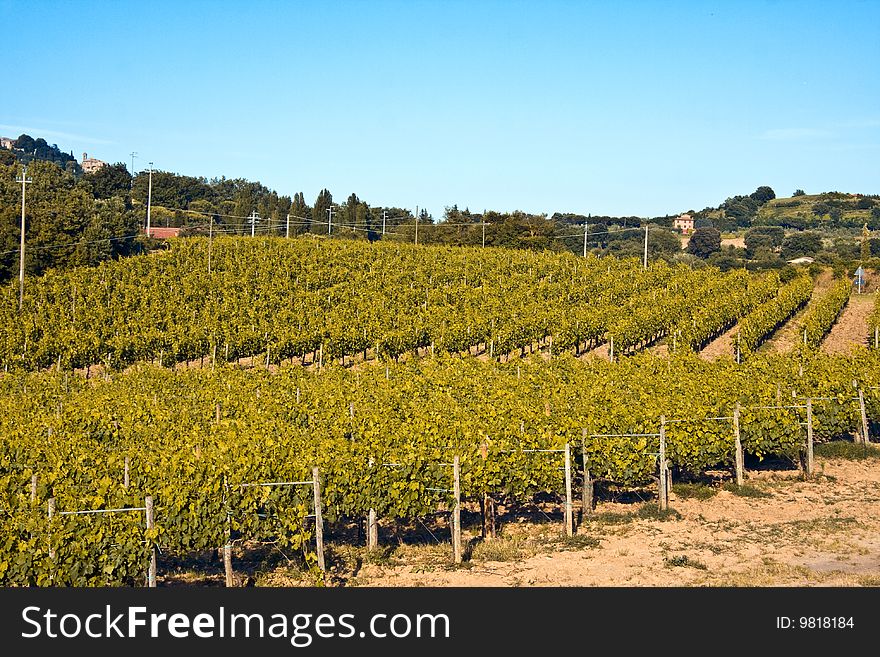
x=163, y=233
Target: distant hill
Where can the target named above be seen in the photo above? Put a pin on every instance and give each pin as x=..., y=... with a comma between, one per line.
x=26, y=149
x=828, y=210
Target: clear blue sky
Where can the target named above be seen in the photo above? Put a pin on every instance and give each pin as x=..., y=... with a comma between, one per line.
x=641, y=108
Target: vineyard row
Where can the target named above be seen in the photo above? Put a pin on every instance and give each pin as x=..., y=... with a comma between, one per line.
x=383, y=439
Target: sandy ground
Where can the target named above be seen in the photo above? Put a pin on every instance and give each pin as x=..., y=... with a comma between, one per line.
x=785, y=338
x=851, y=328
x=822, y=532
x=723, y=345
x=788, y=531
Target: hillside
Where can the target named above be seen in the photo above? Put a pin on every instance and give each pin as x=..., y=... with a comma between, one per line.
x=827, y=210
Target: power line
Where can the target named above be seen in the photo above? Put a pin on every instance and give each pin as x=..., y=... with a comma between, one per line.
x=62, y=245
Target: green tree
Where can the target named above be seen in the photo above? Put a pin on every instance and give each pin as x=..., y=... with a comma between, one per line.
x=704, y=242
x=109, y=181
x=319, y=211
x=801, y=244
x=763, y=194
x=799, y=192
x=763, y=237
x=300, y=215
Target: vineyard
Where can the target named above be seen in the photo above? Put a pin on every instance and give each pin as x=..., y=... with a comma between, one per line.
x=382, y=437
x=312, y=299
x=219, y=451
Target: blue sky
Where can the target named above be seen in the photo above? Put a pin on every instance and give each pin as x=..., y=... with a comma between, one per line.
x=618, y=108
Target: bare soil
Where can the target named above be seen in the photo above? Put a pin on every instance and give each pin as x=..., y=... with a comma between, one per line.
x=723, y=345
x=781, y=530
x=788, y=335
x=851, y=328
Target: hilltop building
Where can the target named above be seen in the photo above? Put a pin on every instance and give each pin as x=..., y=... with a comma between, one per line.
x=6, y=142
x=685, y=222
x=163, y=233
x=90, y=164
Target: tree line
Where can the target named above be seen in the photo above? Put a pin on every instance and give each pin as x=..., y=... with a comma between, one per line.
x=78, y=219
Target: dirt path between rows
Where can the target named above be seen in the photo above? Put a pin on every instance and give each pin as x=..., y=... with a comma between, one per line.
x=788, y=335
x=782, y=341
x=851, y=328
x=723, y=345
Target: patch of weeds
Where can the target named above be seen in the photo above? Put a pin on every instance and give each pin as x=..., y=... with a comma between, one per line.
x=611, y=518
x=746, y=490
x=378, y=557
x=869, y=580
x=825, y=525
x=651, y=511
x=684, y=561
x=694, y=491
x=576, y=542
x=842, y=449
x=498, y=549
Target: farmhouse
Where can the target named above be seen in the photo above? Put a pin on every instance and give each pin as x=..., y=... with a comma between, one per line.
x=685, y=222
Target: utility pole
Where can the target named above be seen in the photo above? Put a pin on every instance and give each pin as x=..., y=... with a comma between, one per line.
x=586, y=230
x=645, y=264
x=210, y=242
x=417, y=225
x=384, y=214
x=24, y=180
x=287, y=232
x=329, y=219
x=149, y=197
x=253, y=221
x=133, y=155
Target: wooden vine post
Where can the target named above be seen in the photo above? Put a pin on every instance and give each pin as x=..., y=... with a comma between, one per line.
x=587, y=483
x=51, y=542
x=738, y=448
x=151, y=571
x=319, y=523
x=372, y=524
x=456, y=510
x=808, y=461
x=569, y=514
x=488, y=505
x=372, y=530
x=866, y=437
x=227, y=546
x=663, y=482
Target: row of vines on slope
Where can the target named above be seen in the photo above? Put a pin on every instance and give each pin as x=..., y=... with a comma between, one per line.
x=289, y=298
x=824, y=311
x=770, y=315
x=382, y=438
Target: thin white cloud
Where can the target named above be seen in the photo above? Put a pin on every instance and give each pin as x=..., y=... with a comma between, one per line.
x=794, y=134
x=45, y=133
